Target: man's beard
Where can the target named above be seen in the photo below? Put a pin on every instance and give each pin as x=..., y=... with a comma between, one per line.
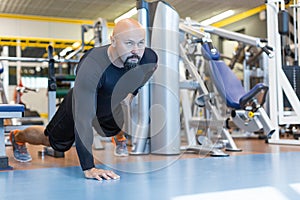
x=130, y=65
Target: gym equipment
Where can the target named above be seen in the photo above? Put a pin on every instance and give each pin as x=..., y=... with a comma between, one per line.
x=63, y=83
x=161, y=22
x=246, y=107
x=51, y=98
x=164, y=98
x=215, y=136
x=2, y=91
x=100, y=36
x=247, y=111
x=31, y=117
x=279, y=83
x=7, y=111
x=138, y=111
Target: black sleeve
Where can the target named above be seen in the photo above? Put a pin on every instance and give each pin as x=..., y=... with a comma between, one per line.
x=81, y=60
x=149, y=60
x=84, y=109
x=85, y=156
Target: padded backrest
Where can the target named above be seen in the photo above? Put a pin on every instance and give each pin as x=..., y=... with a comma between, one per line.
x=228, y=86
x=226, y=82
x=12, y=108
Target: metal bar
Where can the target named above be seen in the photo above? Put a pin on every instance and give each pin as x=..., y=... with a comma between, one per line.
x=233, y=35
x=295, y=13
x=191, y=30
x=194, y=26
x=27, y=59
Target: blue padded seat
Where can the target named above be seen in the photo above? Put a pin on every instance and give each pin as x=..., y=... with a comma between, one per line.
x=12, y=108
x=228, y=85
x=231, y=88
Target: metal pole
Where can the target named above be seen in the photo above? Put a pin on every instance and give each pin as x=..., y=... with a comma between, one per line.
x=51, y=84
x=164, y=98
x=295, y=13
x=141, y=129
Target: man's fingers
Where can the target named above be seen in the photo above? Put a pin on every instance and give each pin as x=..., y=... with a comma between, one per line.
x=101, y=174
x=110, y=175
x=105, y=176
x=113, y=175
x=98, y=178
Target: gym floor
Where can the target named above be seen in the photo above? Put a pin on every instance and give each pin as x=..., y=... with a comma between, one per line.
x=260, y=171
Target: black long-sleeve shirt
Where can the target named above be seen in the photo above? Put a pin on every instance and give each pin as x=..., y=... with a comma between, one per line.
x=99, y=88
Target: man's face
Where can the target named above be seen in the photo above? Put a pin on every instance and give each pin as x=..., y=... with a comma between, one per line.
x=130, y=46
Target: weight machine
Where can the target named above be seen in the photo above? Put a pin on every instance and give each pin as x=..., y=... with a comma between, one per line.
x=279, y=84
x=246, y=109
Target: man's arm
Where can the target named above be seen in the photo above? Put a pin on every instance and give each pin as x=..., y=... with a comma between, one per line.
x=84, y=110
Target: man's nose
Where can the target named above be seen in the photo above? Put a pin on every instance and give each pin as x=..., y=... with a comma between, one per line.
x=134, y=49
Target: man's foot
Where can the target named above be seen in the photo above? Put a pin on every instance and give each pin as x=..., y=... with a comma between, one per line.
x=120, y=147
x=20, y=151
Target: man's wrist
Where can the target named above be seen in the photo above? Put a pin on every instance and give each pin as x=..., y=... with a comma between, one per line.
x=87, y=170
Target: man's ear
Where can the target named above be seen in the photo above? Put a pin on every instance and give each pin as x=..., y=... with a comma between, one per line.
x=113, y=41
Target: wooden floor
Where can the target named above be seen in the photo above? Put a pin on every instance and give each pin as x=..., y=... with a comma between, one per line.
x=248, y=146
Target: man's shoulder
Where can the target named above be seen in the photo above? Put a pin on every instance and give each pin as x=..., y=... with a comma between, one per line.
x=150, y=56
x=93, y=52
x=98, y=50
x=96, y=55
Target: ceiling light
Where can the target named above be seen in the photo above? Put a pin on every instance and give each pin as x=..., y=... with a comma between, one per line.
x=217, y=18
x=128, y=14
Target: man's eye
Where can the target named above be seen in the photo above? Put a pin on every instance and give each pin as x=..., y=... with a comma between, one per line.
x=129, y=43
x=141, y=44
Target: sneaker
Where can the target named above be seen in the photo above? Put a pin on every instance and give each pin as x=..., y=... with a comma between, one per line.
x=20, y=151
x=120, y=147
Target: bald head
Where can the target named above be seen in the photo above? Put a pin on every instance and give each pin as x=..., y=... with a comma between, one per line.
x=127, y=42
x=125, y=25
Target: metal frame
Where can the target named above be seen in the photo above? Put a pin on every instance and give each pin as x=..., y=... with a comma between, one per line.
x=192, y=28
x=6, y=115
x=141, y=104
x=214, y=114
x=278, y=82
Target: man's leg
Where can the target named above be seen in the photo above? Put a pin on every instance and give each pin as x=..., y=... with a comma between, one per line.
x=120, y=136
x=32, y=135
x=121, y=144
